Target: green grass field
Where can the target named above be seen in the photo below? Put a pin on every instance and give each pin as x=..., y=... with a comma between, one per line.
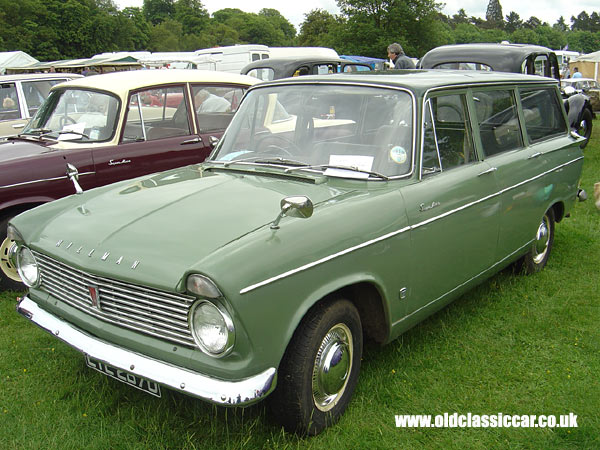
x=514, y=345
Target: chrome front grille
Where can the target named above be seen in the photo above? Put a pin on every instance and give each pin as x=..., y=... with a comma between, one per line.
x=146, y=310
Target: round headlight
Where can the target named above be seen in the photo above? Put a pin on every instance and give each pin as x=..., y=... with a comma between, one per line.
x=212, y=328
x=27, y=267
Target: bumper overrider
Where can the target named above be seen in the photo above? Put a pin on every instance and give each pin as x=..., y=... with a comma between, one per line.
x=227, y=393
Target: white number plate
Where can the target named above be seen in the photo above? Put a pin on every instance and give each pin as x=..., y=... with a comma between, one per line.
x=129, y=378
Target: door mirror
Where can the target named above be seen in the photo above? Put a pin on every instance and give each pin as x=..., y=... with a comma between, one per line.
x=298, y=206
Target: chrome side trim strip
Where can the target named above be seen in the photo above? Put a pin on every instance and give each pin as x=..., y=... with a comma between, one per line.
x=64, y=177
x=227, y=393
x=462, y=284
x=397, y=232
x=322, y=260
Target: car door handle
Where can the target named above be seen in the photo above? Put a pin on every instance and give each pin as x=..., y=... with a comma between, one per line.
x=194, y=140
x=535, y=155
x=18, y=125
x=490, y=170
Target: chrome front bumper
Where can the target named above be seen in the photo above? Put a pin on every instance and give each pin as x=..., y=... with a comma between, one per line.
x=227, y=393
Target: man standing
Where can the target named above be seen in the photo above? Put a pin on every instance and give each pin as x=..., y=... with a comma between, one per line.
x=398, y=58
x=576, y=73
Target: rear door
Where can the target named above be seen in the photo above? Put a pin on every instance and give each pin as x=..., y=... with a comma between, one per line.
x=158, y=133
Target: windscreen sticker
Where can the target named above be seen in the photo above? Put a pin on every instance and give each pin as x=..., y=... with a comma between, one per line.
x=398, y=155
x=360, y=162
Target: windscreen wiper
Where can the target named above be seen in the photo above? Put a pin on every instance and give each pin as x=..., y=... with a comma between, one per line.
x=257, y=159
x=58, y=133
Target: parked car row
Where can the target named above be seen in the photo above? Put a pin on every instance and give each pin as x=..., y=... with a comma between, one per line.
x=98, y=130
x=333, y=210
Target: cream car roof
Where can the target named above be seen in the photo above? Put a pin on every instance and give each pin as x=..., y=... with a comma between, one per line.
x=36, y=76
x=121, y=83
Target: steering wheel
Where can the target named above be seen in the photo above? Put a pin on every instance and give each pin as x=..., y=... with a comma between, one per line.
x=272, y=148
x=64, y=120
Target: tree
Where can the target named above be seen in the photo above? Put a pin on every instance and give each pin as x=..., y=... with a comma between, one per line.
x=493, y=15
x=460, y=17
x=532, y=23
x=157, y=11
x=317, y=28
x=279, y=22
x=561, y=25
x=373, y=24
x=166, y=36
x=513, y=22
x=192, y=16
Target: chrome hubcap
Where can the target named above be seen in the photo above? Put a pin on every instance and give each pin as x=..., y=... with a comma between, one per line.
x=542, y=239
x=332, y=367
x=7, y=253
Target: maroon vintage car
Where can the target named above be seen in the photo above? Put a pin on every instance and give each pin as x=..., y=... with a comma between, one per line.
x=97, y=130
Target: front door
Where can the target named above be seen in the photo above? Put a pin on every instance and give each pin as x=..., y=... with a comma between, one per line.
x=453, y=211
x=158, y=134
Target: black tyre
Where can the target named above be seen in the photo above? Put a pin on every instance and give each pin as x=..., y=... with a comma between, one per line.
x=9, y=278
x=320, y=368
x=538, y=254
x=585, y=127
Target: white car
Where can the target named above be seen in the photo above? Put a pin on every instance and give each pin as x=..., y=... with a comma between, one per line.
x=22, y=94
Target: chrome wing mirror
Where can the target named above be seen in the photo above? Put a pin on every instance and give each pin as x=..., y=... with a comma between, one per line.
x=73, y=175
x=298, y=206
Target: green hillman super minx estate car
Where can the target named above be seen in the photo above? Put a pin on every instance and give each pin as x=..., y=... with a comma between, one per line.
x=333, y=209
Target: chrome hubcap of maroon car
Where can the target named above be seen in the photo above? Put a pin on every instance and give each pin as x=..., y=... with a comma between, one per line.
x=542, y=238
x=332, y=367
x=6, y=261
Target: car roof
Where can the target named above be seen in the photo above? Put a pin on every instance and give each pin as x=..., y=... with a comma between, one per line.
x=500, y=57
x=38, y=76
x=283, y=66
x=122, y=82
x=418, y=80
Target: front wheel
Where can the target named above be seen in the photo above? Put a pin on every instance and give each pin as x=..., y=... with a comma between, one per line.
x=538, y=254
x=320, y=368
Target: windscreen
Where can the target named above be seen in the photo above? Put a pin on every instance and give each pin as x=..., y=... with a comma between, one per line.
x=366, y=128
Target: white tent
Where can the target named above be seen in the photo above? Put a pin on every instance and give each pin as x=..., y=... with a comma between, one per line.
x=15, y=59
x=588, y=65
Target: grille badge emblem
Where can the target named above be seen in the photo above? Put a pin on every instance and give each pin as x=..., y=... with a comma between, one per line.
x=94, y=296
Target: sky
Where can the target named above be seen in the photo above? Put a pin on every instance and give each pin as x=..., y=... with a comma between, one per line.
x=294, y=11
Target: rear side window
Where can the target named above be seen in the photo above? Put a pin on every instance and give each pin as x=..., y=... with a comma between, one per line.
x=215, y=105
x=9, y=102
x=36, y=92
x=542, y=113
x=498, y=121
x=448, y=140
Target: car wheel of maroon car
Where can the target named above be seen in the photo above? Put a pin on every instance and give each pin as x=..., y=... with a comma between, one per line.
x=9, y=278
x=319, y=371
